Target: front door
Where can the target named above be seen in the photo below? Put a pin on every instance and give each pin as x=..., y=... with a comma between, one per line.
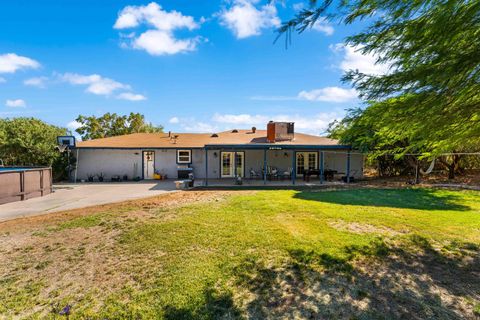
x=227, y=163
x=306, y=160
x=148, y=164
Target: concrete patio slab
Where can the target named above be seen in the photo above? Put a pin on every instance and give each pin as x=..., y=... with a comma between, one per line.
x=73, y=196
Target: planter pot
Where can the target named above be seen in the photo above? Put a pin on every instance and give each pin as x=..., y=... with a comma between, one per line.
x=100, y=179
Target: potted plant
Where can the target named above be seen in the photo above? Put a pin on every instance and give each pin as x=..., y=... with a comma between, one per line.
x=90, y=177
x=125, y=177
x=100, y=176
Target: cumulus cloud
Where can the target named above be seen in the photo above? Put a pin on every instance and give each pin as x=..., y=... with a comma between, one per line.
x=240, y=119
x=160, y=39
x=314, y=124
x=329, y=94
x=11, y=62
x=322, y=25
x=73, y=125
x=39, y=82
x=245, y=20
x=95, y=83
x=16, y=103
x=131, y=96
x=174, y=120
x=353, y=59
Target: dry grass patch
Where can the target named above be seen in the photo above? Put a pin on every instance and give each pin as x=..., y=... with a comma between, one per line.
x=360, y=228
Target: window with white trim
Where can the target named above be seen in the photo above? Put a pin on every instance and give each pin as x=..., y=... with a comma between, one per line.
x=184, y=156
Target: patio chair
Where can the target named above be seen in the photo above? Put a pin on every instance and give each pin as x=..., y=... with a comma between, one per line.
x=254, y=174
x=287, y=174
x=272, y=173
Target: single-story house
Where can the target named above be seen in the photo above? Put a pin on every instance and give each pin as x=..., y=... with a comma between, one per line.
x=256, y=154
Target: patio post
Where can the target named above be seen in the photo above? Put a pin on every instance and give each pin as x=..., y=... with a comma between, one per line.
x=321, y=167
x=265, y=166
x=294, y=169
x=235, y=165
x=348, y=167
x=206, y=167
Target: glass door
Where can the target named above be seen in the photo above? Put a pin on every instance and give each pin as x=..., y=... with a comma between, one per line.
x=227, y=163
x=306, y=160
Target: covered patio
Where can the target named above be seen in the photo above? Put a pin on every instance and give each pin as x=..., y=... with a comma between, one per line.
x=276, y=165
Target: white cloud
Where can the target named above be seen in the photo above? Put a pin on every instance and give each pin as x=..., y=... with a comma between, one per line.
x=3, y=80
x=353, y=59
x=95, y=83
x=39, y=82
x=245, y=20
x=160, y=40
x=240, y=119
x=17, y=103
x=322, y=25
x=73, y=125
x=298, y=6
x=10, y=63
x=314, y=124
x=174, y=120
x=199, y=126
x=329, y=94
x=158, y=43
x=131, y=96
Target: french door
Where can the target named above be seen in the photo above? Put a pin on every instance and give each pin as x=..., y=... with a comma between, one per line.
x=306, y=160
x=227, y=164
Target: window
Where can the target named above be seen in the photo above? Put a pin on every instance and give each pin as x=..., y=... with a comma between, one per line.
x=184, y=156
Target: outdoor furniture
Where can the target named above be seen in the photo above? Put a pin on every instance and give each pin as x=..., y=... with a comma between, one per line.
x=183, y=184
x=310, y=172
x=272, y=173
x=329, y=174
x=254, y=174
x=286, y=174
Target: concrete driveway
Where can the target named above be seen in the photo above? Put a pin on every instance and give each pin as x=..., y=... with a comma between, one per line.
x=73, y=196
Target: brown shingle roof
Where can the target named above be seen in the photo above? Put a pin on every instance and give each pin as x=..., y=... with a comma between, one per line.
x=199, y=140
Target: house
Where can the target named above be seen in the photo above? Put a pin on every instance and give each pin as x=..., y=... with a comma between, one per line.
x=276, y=152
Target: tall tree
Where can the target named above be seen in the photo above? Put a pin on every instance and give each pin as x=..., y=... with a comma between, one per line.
x=433, y=47
x=111, y=124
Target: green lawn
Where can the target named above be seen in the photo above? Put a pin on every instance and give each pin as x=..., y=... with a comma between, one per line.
x=352, y=254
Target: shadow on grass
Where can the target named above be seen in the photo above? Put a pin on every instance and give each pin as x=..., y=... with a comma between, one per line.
x=417, y=282
x=218, y=305
x=423, y=199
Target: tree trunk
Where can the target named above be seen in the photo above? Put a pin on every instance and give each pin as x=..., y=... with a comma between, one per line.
x=452, y=167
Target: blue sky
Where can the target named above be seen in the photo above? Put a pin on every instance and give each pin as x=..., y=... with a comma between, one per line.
x=201, y=66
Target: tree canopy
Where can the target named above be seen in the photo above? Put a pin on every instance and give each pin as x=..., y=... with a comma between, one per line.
x=111, y=124
x=28, y=141
x=430, y=98
x=32, y=142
